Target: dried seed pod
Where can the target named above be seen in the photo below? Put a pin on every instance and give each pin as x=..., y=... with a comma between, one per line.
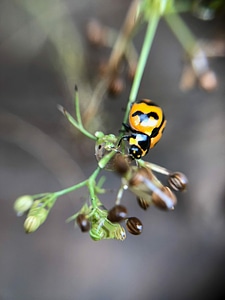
x=96, y=33
x=139, y=175
x=121, y=164
x=134, y=225
x=208, y=81
x=159, y=202
x=178, y=181
x=117, y=214
x=116, y=86
x=83, y=223
x=143, y=203
x=142, y=182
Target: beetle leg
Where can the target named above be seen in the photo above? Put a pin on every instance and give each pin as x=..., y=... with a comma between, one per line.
x=125, y=137
x=126, y=128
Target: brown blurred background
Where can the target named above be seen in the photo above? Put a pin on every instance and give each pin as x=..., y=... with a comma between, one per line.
x=180, y=254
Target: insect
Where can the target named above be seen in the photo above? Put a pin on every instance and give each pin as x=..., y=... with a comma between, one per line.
x=146, y=124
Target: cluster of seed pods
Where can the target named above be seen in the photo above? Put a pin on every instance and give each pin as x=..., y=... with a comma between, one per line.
x=116, y=214
x=136, y=179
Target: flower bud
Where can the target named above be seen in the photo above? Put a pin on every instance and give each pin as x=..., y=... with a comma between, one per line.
x=117, y=214
x=178, y=181
x=97, y=233
x=134, y=225
x=36, y=216
x=31, y=224
x=23, y=204
x=107, y=230
x=120, y=234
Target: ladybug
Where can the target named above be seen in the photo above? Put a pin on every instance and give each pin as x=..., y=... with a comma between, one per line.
x=146, y=124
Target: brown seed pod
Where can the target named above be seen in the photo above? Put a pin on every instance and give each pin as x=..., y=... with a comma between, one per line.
x=116, y=86
x=134, y=225
x=208, y=81
x=117, y=214
x=178, y=181
x=121, y=164
x=159, y=202
x=143, y=203
x=139, y=175
x=96, y=33
x=83, y=223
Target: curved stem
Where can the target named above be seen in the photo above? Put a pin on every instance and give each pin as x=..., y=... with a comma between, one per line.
x=71, y=189
x=90, y=182
x=75, y=123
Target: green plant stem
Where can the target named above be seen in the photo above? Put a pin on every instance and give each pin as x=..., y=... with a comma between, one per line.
x=76, y=124
x=90, y=182
x=103, y=162
x=91, y=187
x=71, y=189
x=38, y=196
x=182, y=32
x=77, y=107
x=149, y=36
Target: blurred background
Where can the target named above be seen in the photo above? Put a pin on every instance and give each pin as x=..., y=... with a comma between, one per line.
x=180, y=255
